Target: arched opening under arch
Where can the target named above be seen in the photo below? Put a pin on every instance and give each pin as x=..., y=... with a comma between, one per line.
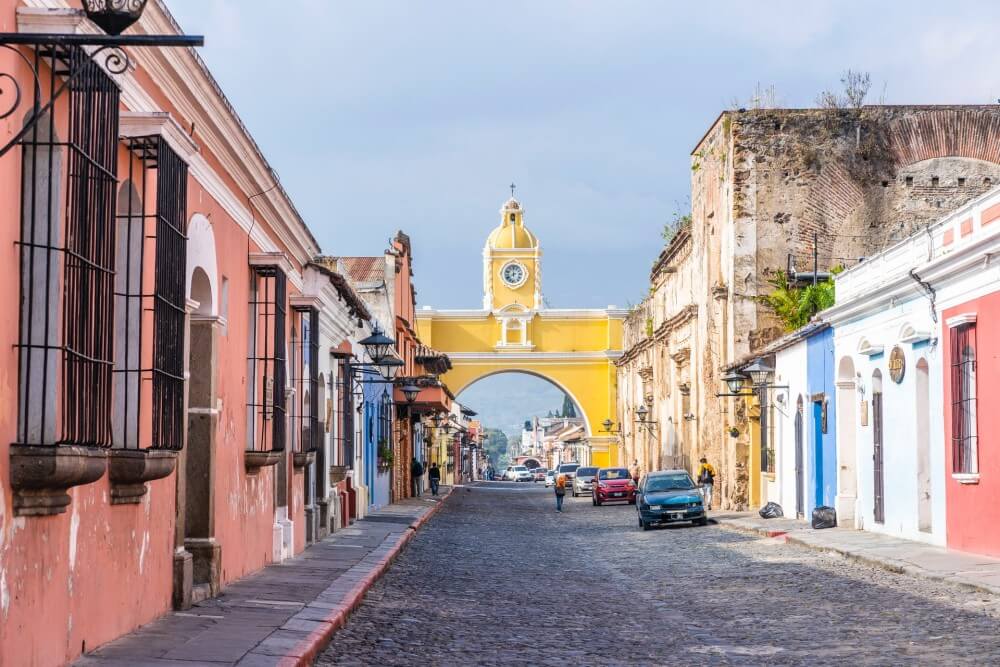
x=529, y=418
x=847, y=427
x=201, y=291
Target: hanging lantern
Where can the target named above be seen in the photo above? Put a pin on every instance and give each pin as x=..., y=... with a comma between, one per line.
x=114, y=16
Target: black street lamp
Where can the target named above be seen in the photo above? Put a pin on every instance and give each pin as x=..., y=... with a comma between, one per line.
x=389, y=367
x=760, y=373
x=377, y=345
x=410, y=392
x=114, y=16
x=734, y=381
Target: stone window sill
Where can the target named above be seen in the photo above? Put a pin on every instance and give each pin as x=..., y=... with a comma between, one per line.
x=966, y=478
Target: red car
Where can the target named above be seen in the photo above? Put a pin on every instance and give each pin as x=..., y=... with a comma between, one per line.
x=613, y=485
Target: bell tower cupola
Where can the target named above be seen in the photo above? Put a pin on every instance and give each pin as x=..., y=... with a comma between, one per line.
x=512, y=263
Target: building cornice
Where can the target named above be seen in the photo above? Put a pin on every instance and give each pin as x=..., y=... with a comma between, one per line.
x=460, y=358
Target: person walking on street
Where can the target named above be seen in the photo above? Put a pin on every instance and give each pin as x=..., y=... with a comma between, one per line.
x=434, y=475
x=635, y=472
x=560, y=487
x=706, y=477
x=416, y=472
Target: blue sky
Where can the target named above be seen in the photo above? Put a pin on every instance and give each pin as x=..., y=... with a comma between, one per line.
x=391, y=114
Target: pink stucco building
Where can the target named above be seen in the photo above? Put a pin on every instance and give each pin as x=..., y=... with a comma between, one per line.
x=171, y=410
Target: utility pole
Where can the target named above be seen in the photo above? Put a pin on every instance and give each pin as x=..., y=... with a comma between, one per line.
x=815, y=258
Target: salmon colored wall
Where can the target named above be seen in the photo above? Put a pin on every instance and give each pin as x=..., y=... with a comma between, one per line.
x=71, y=582
x=973, y=510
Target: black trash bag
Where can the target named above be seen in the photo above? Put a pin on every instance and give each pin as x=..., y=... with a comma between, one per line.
x=824, y=517
x=771, y=511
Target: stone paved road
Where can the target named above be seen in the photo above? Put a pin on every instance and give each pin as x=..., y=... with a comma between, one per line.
x=499, y=578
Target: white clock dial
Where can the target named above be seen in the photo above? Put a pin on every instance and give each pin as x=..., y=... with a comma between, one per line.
x=513, y=274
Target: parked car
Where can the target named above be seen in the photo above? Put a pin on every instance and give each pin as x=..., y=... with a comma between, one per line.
x=550, y=478
x=668, y=496
x=613, y=485
x=568, y=469
x=539, y=474
x=583, y=481
x=508, y=474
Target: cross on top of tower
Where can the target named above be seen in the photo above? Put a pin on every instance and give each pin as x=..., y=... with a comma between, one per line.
x=512, y=188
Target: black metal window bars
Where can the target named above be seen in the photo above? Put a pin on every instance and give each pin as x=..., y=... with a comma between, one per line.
x=266, y=360
x=67, y=259
x=155, y=382
x=964, y=427
x=305, y=381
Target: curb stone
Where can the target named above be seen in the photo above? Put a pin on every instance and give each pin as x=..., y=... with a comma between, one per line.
x=325, y=616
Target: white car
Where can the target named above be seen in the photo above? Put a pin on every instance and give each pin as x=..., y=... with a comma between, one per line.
x=518, y=474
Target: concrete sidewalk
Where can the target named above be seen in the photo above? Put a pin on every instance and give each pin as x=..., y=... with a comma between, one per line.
x=895, y=554
x=286, y=613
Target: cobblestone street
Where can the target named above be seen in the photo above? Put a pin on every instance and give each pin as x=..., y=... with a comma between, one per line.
x=499, y=578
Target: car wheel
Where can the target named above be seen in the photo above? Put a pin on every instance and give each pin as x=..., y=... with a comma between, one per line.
x=640, y=521
x=632, y=502
x=645, y=526
x=597, y=502
x=701, y=522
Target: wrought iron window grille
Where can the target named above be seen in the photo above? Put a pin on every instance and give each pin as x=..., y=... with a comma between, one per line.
x=964, y=427
x=154, y=383
x=66, y=257
x=266, y=361
x=67, y=260
x=305, y=380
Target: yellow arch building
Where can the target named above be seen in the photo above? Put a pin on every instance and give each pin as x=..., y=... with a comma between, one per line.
x=575, y=349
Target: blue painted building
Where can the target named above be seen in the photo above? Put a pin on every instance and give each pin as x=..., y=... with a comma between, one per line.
x=805, y=421
x=376, y=415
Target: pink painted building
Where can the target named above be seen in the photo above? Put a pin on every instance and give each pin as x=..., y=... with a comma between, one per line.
x=164, y=402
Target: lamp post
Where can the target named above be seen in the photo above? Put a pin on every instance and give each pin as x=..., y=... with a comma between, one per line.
x=114, y=16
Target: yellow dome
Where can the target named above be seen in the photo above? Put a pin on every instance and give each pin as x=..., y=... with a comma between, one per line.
x=508, y=236
x=511, y=233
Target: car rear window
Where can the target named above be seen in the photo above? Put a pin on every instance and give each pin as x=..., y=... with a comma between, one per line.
x=583, y=472
x=614, y=473
x=569, y=467
x=519, y=468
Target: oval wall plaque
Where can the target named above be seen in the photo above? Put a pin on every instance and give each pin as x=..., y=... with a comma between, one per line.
x=897, y=364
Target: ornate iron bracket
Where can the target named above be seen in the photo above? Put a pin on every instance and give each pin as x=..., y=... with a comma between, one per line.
x=57, y=48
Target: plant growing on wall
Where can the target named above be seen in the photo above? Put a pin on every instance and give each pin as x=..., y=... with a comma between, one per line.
x=795, y=306
x=385, y=455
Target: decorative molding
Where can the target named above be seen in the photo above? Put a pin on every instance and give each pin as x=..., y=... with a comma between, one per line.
x=966, y=477
x=867, y=349
x=305, y=302
x=960, y=320
x=470, y=357
x=158, y=123
x=278, y=259
x=907, y=334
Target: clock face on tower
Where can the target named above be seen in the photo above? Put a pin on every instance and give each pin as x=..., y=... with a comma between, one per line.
x=514, y=274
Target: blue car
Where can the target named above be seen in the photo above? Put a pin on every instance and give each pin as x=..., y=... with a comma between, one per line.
x=668, y=496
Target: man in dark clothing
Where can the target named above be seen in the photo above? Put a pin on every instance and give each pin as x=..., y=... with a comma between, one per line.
x=434, y=475
x=416, y=472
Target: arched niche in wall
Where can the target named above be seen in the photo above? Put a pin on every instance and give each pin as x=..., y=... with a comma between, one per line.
x=201, y=255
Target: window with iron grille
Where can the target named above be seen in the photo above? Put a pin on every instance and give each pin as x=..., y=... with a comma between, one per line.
x=305, y=381
x=964, y=429
x=67, y=259
x=266, y=360
x=150, y=379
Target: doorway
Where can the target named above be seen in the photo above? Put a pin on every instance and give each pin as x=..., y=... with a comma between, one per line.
x=878, y=454
x=924, y=508
x=817, y=423
x=199, y=469
x=800, y=490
